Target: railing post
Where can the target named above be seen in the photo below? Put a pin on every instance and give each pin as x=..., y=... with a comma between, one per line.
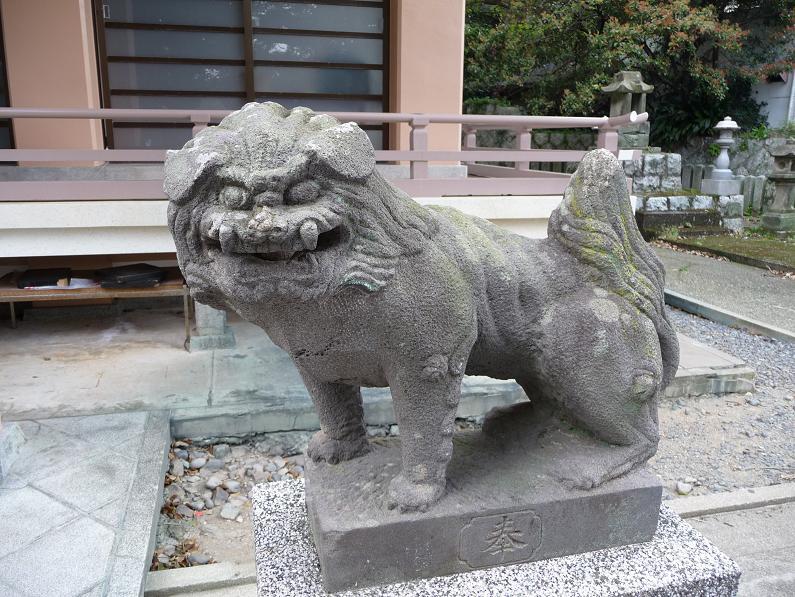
x=199, y=123
x=470, y=140
x=608, y=139
x=419, y=142
x=524, y=140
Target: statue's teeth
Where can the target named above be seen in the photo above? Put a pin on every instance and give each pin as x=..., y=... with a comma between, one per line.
x=226, y=236
x=309, y=234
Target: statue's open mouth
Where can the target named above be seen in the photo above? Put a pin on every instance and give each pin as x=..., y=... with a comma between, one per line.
x=325, y=241
x=299, y=245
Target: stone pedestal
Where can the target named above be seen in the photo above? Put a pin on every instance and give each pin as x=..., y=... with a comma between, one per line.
x=676, y=561
x=508, y=500
x=11, y=440
x=212, y=330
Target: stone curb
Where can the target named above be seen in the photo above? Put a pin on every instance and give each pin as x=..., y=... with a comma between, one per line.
x=199, y=578
x=720, y=315
x=742, y=499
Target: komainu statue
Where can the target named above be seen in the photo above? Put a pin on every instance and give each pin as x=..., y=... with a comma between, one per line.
x=282, y=216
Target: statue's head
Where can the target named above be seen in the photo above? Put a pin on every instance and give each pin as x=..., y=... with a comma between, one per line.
x=276, y=203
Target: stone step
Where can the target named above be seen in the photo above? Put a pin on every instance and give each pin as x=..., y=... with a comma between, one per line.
x=241, y=411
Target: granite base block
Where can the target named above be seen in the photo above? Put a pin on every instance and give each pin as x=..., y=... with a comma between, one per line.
x=509, y=499
x=677, y=561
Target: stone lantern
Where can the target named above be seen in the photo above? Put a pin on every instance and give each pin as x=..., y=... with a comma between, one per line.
x=628, y=92
x=721, y=181
x=780, y=215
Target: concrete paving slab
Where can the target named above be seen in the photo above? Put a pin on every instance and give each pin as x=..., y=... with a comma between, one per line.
x=86, y=526
x=46, y=450
x=107, y=431
x=749, y=291
x=64, y=563
x=91, y=483
x=26, y=515
x=762, y=542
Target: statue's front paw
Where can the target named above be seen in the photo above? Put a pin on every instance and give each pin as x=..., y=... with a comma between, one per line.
x=409, y=496
x=322, y=447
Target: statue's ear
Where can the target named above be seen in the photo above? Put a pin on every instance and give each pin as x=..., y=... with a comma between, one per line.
x=343, y=151
x=186, y=167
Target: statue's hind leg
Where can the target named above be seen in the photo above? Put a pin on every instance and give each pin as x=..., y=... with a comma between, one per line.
x=633, y=438
x=602, y=366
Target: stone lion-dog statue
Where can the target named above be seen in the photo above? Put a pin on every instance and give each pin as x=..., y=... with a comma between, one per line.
x=281, y=216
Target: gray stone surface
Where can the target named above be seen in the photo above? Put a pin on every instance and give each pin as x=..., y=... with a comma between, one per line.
x=508, y=500
x=78, y=511
x=677, y=561
x=742, y=289
x=762, y=543
x=364, y=287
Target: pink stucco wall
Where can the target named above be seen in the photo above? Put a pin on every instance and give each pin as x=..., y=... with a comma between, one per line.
x=428, y=65
x=51, y=63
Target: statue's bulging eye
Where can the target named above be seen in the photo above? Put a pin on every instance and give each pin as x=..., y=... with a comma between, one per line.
x=302, y=192
x=644, y=384
x=234, y=197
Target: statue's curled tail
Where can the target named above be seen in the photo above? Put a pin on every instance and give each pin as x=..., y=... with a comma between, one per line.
x=597, y=226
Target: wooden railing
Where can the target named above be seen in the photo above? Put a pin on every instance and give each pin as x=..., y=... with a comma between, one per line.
x=484, y=179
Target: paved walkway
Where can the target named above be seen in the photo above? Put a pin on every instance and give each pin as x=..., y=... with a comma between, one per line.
x=78, y=510
x=762, y=542
x=135, y=361
x=748, y=291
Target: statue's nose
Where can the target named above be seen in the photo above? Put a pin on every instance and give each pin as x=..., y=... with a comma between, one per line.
x=267, y=224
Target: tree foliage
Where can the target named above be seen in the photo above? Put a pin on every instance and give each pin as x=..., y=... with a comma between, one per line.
x=553, y=56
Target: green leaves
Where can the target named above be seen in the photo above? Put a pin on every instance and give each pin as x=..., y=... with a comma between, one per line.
x=553, y=56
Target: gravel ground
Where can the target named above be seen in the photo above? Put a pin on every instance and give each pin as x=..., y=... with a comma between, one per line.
x=720, y=443
x=709, y=444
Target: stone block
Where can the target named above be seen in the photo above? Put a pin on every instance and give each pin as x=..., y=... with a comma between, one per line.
x=644, y=184
x=673, y=164
x=731, y=206
x=698, y=176
x=703, y=202
x=670, y=183
x=677, y=561
x=11, y=440
x=507, y=502
x=653, y=164
x=679, y=202
x=734, y=224
x=656, y=204
x=719, y=186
